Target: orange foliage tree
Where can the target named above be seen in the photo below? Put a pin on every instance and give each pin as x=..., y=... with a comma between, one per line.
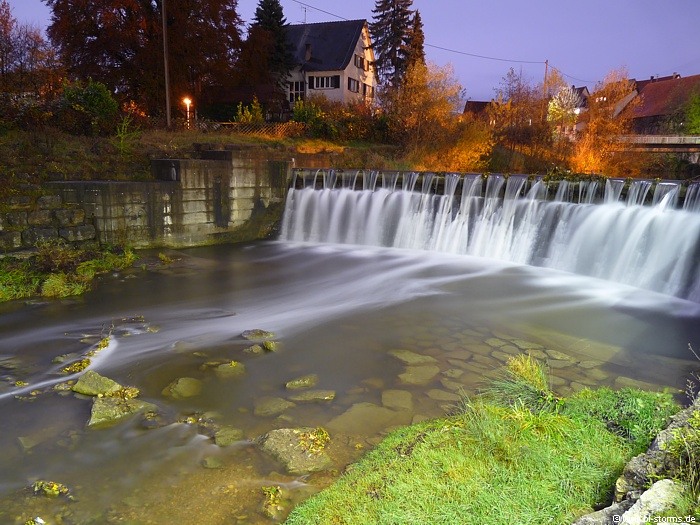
x=607, y=119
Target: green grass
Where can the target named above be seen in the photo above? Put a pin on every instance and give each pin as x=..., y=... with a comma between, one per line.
x=495, y=462
x=58, y=270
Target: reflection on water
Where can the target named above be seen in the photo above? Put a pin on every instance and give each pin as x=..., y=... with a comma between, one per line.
x=394, y=334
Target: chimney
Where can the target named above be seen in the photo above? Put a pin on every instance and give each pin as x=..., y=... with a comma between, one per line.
x=307, y=54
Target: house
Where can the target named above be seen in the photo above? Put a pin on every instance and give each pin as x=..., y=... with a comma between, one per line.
x=335, y=59
x=662, y=103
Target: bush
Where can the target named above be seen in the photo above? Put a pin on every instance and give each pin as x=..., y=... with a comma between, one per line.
x=88, y=109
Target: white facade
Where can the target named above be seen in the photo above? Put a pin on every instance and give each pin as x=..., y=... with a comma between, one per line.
x=355, y=83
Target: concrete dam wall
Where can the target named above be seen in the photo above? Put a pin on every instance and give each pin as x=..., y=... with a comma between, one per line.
x=223, y=197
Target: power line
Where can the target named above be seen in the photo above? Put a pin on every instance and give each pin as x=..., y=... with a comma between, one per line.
x=321, y=10
x=433, y=46
x=486, y=57
x=572, y=78
x=457, y=52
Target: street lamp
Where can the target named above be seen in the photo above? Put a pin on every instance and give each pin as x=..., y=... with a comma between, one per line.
x=187, y=102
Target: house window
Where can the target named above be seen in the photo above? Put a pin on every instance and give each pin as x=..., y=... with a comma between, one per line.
x=361, y=63
x=330, y=82
x=296, y=91
x=367, y=91
x=353, y=85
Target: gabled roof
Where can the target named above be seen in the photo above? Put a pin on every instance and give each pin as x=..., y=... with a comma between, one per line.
x=640, y=84
x=325, y=46
x=476, y=106
x=664, y=97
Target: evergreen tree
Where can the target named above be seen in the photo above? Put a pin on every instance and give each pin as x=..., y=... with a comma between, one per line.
x=269, y=17
x=415, y=42
x=390, y=32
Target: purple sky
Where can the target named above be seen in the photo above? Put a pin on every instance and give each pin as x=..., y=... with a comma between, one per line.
x=583, y=40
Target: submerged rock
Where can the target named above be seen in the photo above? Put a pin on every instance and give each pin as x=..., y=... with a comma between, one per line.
x=286, y=445
x=226, y=436
x=368, y=419
x=231, y=369
x=397, y=399
x=257, y=334
x=299, y=383
x=313, y=396
x=254, y=349
x=110, y=410
x=412, y=358
x=183, y=388
x=271, y=406
x=93, y=384
x=212, y=462
x=418, y=375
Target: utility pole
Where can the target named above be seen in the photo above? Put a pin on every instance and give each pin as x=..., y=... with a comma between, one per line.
x=544, y=90
x=165, y=64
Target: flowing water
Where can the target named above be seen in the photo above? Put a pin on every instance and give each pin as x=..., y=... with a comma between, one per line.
x=398, y=300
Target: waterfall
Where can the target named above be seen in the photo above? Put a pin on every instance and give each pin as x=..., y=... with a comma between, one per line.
x=655, y=247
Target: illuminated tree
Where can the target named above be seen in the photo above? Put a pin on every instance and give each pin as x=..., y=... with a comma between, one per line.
x=520, y=128
x=608, y=117
x=422, y=115
x=563, y=110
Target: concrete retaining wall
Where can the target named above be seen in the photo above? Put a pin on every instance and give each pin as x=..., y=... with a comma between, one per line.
x=224, y=197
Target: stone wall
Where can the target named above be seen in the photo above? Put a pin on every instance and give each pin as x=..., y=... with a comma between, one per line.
x=29, y=220
x=226, y=196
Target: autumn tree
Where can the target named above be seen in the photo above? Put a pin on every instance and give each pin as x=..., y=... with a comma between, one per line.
x=519, y=123
x=120, y=44
x=26, y=59
x=423, y=117
x=607, y=119
x=390, y=33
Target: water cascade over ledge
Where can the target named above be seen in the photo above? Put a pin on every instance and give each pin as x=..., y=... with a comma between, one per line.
x=646, y=238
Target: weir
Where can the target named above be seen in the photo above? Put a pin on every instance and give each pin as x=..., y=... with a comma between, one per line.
x=638, y=233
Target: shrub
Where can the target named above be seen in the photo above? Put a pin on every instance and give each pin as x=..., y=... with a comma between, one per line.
x=86, y=109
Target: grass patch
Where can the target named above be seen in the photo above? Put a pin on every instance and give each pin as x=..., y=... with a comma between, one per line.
x=527, y=459
x=58, y=270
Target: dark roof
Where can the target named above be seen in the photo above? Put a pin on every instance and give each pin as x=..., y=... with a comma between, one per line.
x=640, y=84
x=331, y=44
x=476, y=106
x=664, y=97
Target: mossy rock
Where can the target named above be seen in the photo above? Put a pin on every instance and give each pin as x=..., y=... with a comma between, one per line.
x=307, y=381
x=231, y=369
x=93, y=384
x=285, y=445
x=110, y=410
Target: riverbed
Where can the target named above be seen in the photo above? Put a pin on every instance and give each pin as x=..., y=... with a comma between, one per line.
x=396, y=335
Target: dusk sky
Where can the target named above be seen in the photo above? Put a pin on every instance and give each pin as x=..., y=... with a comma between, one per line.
x=583, y=40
